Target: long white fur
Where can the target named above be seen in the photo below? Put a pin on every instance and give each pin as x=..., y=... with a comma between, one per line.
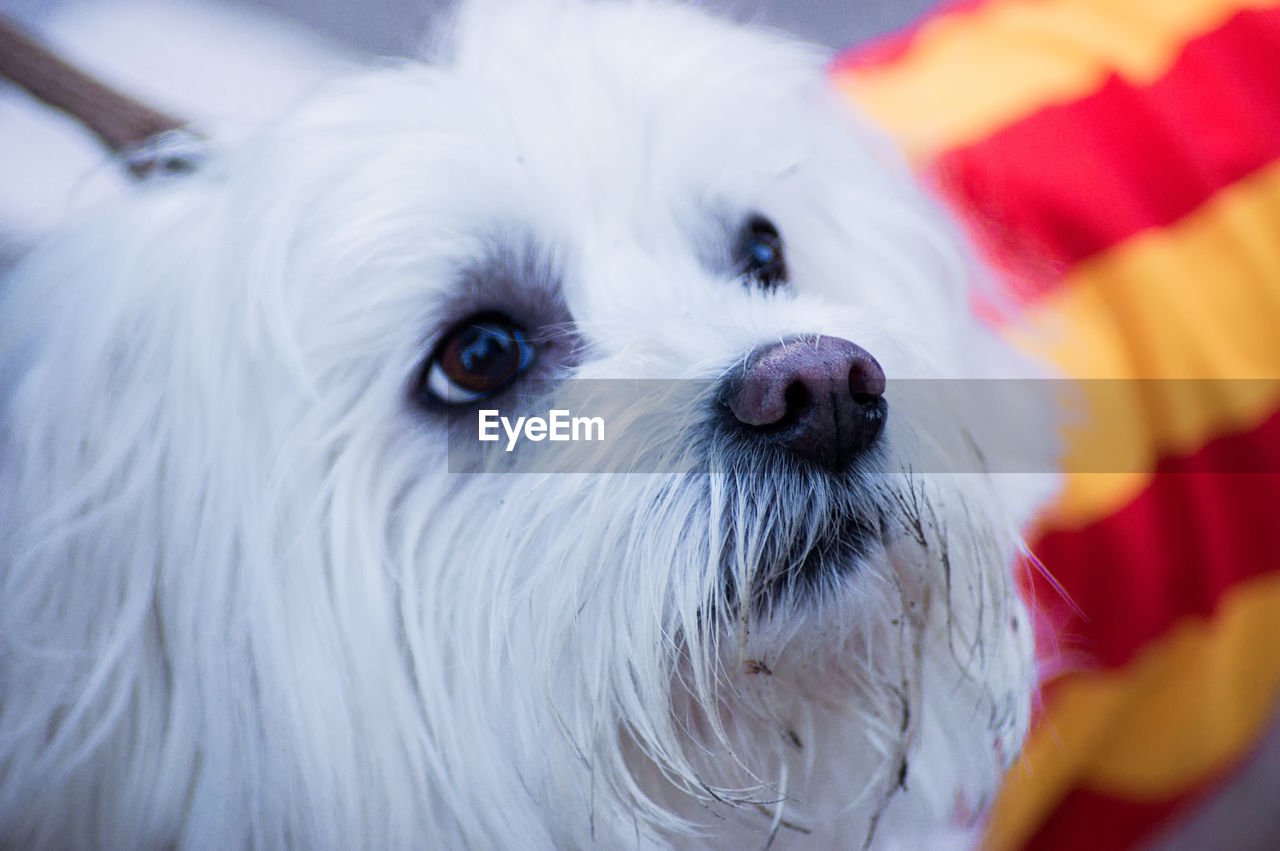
x=243, y=603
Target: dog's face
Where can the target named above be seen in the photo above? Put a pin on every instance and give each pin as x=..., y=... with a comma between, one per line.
x=228, y=451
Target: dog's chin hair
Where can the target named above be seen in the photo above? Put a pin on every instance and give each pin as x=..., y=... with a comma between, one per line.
x=725, y=710
x=759, y=689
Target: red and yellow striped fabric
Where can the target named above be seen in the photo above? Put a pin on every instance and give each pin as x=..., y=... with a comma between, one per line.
x=1119, y=162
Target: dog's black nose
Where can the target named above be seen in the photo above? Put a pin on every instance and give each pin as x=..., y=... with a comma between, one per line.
x=822, y=398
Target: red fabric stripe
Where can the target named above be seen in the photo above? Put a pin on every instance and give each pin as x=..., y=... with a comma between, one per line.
x=1074, y=179
x=1161, y=566
x=1087, y=819
x=889, y=48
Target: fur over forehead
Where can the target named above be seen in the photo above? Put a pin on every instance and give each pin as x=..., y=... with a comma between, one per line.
x=593, y=96
x=610, y=134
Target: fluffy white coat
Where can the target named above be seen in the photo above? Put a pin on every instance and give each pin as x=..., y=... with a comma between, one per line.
x=242, y=601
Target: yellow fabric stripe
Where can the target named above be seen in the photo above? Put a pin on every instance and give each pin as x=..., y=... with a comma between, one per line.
x=969, y=73
x=1187, y=709
x=1194, y=300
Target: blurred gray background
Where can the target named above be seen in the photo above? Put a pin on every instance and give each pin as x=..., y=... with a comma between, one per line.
x=396, y=27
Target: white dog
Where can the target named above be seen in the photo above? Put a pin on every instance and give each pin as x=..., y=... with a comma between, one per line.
x=244, y=600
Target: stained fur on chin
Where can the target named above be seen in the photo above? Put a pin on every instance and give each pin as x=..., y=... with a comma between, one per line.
x=243, y=601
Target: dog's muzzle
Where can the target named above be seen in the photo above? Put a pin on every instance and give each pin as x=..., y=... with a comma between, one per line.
x=820, y=398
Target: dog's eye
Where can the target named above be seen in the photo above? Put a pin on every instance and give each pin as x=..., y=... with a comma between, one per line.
x=475, y=359
x=759, y=253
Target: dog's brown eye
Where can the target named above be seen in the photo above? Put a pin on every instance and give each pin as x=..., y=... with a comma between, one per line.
x=759, y=254
x=475, y=359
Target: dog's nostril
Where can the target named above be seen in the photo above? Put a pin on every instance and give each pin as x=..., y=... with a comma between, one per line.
x=822, y=399
x=797, y=399
x=866, y=378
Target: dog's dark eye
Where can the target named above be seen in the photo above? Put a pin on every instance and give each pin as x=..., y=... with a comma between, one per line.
x=759, y=254
x=476, y=358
